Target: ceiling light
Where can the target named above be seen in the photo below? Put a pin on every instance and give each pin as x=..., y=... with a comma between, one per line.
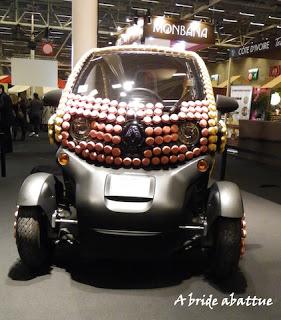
x=128, y=85
x=274, y=18
x=171, y=13
x=139, y=9
x=230, y=20
x=201, y=17
x=151, y=1
x=257, y=24
x=216, y=10
x=117, y=85
x=123, y=94
x=246, y=14
x=278, y=27
x=56, y=32
x=102, y=4
x=63, y=16
x=179, y=74
x=183, y=5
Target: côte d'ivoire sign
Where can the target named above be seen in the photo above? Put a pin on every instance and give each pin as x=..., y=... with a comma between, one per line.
x=173, y=29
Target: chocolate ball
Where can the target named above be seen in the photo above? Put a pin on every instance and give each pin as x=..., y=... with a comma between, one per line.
x=155, y=161
x=127, y=161
x=100, y=158
x=107, y=149
x=93, y=156
x=158, y=131
x=145, y=162
x=149, y=131
x=173, y=159
x=149, y=141
x=164, y=160
x=116, y=139
x=116, y=152
x=159, y=140
x=118, y=161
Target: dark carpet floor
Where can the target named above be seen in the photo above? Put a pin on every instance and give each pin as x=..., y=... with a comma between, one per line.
x=76, y=289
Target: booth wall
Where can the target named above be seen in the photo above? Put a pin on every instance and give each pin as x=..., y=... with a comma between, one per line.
x=241, y=67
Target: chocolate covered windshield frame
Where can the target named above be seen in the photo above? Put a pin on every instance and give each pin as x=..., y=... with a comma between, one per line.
x=141, y=49
x=212, y=125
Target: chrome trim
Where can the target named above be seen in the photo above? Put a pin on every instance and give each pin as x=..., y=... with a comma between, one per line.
x=192, y=227
x=66, y=221
x=61, y=220
x=127, y=232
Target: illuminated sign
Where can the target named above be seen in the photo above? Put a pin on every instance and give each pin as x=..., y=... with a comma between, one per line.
x=253, y=74
x=268, y=48
x=173, y=29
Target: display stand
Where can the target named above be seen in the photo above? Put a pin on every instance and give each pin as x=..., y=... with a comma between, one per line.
x=3, y=155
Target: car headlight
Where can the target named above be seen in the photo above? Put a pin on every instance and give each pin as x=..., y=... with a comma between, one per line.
x=189, y=134
x=80, y=128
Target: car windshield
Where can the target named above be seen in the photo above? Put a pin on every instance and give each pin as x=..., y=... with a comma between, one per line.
x=140, y=77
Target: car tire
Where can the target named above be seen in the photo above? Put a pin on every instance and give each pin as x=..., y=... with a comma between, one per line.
x=226, y=250
x=34, y=247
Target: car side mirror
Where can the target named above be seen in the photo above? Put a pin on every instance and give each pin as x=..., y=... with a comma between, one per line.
x=52, y=98
x=226, y=104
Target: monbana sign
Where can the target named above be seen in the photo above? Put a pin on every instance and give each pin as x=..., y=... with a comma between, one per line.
x=172, y=29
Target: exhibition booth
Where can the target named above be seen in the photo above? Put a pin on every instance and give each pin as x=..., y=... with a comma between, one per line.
x=253, y=79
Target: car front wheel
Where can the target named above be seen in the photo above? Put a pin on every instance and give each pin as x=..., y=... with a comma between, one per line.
x=32, y=241
x=226, y=250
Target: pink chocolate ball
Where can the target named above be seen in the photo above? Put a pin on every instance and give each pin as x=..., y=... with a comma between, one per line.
x=65, y=125
x=203, y=123
x=66, y=117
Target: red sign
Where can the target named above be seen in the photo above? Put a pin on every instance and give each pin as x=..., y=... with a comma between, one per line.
x=47, y=48
x=275, y=71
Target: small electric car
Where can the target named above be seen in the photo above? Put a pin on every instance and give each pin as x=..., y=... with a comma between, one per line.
x=137, y=130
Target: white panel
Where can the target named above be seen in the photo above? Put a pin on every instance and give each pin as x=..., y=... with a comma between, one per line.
x=34, y=72
x=157, y=42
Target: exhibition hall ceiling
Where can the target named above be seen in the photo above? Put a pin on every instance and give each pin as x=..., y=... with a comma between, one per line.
x=236, y=23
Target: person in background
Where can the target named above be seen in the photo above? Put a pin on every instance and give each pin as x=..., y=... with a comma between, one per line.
x=6, y=119
x=35, y=114
x=20, y=108
x=48, y=111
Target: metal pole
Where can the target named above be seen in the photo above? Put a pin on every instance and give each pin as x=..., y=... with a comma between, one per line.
x=228, y=77
x=224, y=154
x=84, y=27
x=32, y=52
x=17, y=10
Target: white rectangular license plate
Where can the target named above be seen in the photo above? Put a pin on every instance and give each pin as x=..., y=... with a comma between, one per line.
x=125, y=185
